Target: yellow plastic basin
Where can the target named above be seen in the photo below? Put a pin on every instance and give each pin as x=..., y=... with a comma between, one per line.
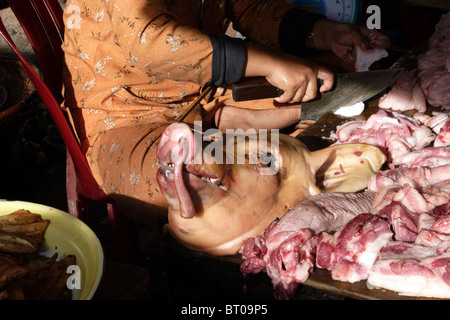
x=67, y=235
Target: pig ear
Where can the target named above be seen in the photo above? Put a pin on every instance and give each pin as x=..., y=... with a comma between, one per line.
x=347, y=167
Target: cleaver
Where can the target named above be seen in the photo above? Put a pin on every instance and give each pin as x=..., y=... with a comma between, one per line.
x=348, y=89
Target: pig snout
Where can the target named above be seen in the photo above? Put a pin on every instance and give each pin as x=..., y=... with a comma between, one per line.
x=177, y=143
x=177, y=147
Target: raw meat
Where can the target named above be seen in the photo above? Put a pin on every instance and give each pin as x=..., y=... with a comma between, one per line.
x=433, y=65
x=442, y=30
x=286, y=247
x=412, y=199
x=437, y=88
x=418, y=189
x=434, y=58
x=439, y=122
x=417, y=177
x=365, y=59
x=402, y=221
x=443, y=138
x=351, y=252
x=431, y=238
x=426, y=157
x=413, y=269
x=406, y=94
x=435, y=122
x=430, y=81
x=392, y=132
x=433, y=228
x=337, y=232
x=418, y=263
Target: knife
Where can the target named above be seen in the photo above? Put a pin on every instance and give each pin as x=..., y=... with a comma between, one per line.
x=348, y=89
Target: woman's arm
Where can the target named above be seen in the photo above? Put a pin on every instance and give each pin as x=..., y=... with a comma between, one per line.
x=295, y=76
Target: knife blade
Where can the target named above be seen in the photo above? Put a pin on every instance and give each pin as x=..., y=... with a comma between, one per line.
x=348, y=89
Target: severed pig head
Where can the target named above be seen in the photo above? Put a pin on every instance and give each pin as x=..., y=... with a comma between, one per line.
x=221, y=193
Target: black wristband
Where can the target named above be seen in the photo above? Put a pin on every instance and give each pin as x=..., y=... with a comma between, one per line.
x=294, y=29
x=229, y=59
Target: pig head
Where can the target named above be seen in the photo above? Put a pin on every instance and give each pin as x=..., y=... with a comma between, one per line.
x=218, y=200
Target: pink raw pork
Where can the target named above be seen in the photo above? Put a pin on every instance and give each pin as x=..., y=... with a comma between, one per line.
x=413, y=269
x=406, y=94
x=434, y=66
x=287, y=246
x=351, y=252
x=392, y=132
x=443, y=138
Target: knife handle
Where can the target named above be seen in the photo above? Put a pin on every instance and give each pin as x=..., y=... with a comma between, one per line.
x=254, y=88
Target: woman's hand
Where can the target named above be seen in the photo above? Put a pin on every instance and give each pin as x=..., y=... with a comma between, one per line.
x=298, y=80
x=296, y=77
x=341, y=38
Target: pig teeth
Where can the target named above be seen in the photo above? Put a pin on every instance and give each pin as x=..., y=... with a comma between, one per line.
x=218, y=183
x=214, y=181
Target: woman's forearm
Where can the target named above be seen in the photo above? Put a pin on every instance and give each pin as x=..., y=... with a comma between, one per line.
x=237, y=118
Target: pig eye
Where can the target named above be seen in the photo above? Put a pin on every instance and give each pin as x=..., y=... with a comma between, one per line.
x=261, y=159
x=266, y=159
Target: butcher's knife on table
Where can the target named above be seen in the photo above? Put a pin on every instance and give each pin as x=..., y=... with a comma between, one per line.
x=348, y=89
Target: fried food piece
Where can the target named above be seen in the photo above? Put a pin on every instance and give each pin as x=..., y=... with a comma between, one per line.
x=35, y=229
x=19, y=217
x=23, y=222
x=22, y=274
x=21, y=232
x=11, y=259
x=47, y=280
x=57, y=282
x=11, y=268
x=12, y=273
x=18, y=244
x=12, y=293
